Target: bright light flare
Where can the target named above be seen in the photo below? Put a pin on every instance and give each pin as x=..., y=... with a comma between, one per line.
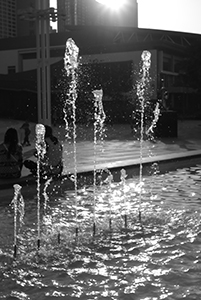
x=112, y=4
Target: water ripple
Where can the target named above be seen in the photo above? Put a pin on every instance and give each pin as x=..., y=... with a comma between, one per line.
x=157, y=257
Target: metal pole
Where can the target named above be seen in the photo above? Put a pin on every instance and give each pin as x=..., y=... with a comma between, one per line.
x=43, y=57
x=38, y=50
x=48, y=77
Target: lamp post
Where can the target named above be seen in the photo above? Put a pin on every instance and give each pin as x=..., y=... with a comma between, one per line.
x=43, y=63
x=42, y=15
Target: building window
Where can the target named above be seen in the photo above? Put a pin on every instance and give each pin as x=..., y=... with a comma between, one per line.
x=11, y=69
x=167, y=63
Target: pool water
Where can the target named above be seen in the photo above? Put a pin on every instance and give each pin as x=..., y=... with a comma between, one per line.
x=157, y=257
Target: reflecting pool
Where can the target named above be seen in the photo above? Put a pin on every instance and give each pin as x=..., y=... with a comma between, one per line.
x=157, y=258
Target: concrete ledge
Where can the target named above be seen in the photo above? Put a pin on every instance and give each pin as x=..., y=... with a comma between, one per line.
x=165, y=163
x=85, y=174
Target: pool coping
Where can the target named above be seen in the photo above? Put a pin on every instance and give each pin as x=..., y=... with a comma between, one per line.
x=85, y=174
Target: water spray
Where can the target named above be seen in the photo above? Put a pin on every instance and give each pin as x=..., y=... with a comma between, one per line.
x=141, y=93
x=123, y=181
x=99, y=118
x=71, y=65
x=41, y=150
x=109, y=180
x=18, y=204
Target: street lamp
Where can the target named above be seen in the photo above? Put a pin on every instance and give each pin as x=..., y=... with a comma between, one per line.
x=42, y=15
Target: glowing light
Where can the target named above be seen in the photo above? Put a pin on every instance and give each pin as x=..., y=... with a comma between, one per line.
x=113, y=4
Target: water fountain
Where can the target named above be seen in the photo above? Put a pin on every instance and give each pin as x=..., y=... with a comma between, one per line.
x=41, y=150
x=99, y=118
x=18, y=206
x=111, y=257
x=70, y=65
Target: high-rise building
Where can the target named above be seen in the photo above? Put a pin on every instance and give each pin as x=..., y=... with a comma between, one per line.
x=75, y=13
x=18, y=17
x=8, y=20
x=11, y=23
x=25, y=26
x=91, y=12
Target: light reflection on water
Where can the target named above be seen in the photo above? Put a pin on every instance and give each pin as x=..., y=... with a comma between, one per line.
x=158, y=259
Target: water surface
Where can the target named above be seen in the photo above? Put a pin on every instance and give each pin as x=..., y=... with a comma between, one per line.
x=157, y=258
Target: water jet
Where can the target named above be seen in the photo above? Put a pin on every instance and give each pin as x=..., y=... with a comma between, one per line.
x=95, y=246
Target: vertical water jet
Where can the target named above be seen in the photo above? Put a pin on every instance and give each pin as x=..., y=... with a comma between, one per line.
x=18, y=205
x=41, y=150
x=123, y=182
x=142, y=97
x=71, y=65
x=99, y=118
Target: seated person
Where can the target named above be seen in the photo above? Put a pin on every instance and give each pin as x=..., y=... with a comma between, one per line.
x=11, y=159
x=51, y=164
x=27, y=132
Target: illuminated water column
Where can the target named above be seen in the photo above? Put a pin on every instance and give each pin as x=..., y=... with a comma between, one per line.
x=43, y=62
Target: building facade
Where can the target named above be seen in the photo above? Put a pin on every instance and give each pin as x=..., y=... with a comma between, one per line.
x=17, y=17
x=110, y=57
x=93, y=13
x=11, y=24
x=8, y=18
x=25, y=23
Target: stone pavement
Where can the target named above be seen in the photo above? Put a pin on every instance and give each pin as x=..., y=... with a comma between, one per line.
x=118, y=148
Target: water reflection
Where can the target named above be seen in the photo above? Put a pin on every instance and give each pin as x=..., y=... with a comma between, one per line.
x=162, y=261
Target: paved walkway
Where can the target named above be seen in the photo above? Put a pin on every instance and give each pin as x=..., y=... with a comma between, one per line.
x=118, y=148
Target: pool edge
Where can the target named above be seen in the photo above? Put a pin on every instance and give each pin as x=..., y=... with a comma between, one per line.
x=165, y=163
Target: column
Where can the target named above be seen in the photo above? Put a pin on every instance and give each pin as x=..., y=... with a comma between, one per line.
x=43, y=63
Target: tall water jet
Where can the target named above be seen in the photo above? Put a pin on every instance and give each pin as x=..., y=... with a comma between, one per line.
x=99, y=118
x=18, y=205
x=71, y=65
x=142, y=97
x=123, y=182
x=110, y=180
x=41, y=150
